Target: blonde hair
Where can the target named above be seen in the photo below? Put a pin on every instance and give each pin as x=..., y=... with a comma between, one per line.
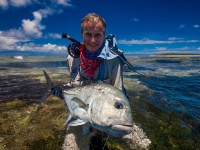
x=93, y=18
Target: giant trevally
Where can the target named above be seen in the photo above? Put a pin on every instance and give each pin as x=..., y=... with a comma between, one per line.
x=99, y=105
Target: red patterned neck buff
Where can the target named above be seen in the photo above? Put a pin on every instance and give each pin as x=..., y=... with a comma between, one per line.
x=89, y=66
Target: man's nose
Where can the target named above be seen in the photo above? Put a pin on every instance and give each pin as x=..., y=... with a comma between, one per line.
x=93, y=39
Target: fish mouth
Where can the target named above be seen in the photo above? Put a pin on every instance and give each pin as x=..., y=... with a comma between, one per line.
x=121, y=130
x=120, y=126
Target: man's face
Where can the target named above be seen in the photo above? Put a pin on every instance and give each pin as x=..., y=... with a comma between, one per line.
x=93, y=35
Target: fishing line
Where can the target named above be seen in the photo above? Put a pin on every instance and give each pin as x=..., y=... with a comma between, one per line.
x=107, y=139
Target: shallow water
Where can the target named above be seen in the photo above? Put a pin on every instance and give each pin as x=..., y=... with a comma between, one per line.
x=165, y=99
x=174, y=82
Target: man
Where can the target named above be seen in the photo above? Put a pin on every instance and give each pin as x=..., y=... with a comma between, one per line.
x=94, y=59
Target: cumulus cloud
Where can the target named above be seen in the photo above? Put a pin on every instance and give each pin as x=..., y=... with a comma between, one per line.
x=29, y=29
x=21, y=38
x=16, y=40
x=5, y=42
x=13, y=43
x=11, y=38
x=33, y=28
x=42, y=47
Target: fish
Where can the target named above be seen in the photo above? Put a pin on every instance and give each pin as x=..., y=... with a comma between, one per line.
x=99, y=105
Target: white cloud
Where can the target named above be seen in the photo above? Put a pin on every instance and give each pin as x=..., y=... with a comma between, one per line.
x=22, y=3
x=52, y=47
x=9, y=39
x=54, y=35
x=144, y=41
x=158, y=50
x=196, y=26
x=184, y=48
x=14, y=43
x=16, y=33
x=6, y=41
x=20, y=38
x=12, y=39
x=64, y=2
x=33, y=28
x=41, y=48
x=45, y=12
x=148, y=41
x=4, y=3
x=19, y=3
x=161, y=48
x=174, y=38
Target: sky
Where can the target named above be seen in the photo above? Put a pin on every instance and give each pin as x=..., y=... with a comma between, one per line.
x=142, y=27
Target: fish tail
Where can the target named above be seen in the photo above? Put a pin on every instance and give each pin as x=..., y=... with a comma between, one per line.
x=51, y=89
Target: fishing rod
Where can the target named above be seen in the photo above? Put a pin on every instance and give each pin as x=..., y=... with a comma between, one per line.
x=119, y=53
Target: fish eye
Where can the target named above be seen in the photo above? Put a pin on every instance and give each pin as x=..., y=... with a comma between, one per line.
x=119, y=105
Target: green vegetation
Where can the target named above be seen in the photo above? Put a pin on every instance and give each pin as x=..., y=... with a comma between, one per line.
x=28, y=126
x=165, y=129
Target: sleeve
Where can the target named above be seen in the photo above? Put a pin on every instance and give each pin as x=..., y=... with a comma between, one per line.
x=116, y=78
x=74, y=66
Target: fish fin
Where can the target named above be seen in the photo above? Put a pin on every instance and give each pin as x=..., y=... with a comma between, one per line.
x=79, y=101
x=76, y=122
x=48, y=79
x=68, y=118
x=48, y=92
x=51, y=89
x=45, y=96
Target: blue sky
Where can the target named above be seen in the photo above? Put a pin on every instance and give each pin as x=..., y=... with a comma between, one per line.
x=141, y=27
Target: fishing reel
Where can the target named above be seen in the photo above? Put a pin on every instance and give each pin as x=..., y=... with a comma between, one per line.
x=74, y=49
